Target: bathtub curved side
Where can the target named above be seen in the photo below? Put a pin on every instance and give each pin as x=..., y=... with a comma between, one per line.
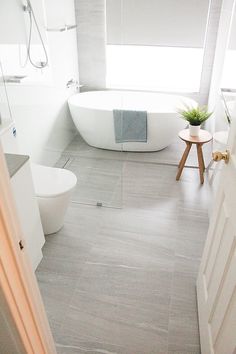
x=96, y=127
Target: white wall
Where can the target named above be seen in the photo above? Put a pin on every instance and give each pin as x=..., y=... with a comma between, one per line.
x=5, y=113
x=39, y=104
x=209, y=52
x=219, y=122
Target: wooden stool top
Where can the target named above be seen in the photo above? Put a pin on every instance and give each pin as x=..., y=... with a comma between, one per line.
x=204, y=137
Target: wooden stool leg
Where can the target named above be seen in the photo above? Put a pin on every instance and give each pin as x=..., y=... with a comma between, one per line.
x=200, y=162
x=202, y=158
x=183, y=160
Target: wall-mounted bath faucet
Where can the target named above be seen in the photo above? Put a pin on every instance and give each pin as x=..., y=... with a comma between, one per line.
x=73, y=82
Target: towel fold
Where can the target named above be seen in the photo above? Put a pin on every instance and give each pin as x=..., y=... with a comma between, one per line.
x=130, y=126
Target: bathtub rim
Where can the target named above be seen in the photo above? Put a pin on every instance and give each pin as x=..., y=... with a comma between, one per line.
x=72, y=98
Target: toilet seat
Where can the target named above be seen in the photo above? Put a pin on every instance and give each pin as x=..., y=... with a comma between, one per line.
x=52, y=182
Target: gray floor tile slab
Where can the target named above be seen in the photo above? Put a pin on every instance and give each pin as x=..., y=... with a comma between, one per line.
x=98, y=181
x=144, y=222
x=57, y=291
x=155, y=181
x=183, y=332
x=137, y=251
x=123, y=280
x=87, y=347
x=65, y=256
x=183, y=349
x=183, y=328
x=78, y=147
x=171, y=155
x=137, y=284
x=115, y=336
x=84, y=217
x=189, y=248
x=120, y=310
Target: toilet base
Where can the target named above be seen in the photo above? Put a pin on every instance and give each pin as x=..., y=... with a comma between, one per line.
x=52, y=233
x=52, y=212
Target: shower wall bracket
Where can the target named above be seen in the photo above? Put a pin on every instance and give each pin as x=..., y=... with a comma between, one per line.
x=27, y=8
x=12, y=79
x=61, y=29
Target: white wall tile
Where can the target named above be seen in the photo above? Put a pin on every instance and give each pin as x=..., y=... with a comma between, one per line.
x=91, y=34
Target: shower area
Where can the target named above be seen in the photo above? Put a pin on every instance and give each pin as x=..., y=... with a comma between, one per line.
x=35, y=85
x=99, y=174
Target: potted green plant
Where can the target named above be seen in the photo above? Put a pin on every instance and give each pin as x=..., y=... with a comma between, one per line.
x=195, y=117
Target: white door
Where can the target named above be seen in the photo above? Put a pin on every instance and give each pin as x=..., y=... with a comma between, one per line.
x=216, y=284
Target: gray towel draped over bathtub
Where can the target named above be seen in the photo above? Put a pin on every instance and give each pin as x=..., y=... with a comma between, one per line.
x=130, y=126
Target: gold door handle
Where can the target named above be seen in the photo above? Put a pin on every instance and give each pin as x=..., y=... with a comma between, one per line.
x=218, y=156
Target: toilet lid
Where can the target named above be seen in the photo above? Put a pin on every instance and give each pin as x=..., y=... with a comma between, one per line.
x=52, y=181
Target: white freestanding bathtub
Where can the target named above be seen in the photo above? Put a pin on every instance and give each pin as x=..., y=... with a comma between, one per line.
x=92, y=113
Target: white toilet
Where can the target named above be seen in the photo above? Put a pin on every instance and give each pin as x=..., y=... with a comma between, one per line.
x=53, y=188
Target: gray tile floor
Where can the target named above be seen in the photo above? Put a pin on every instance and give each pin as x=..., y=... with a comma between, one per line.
x=121, y=279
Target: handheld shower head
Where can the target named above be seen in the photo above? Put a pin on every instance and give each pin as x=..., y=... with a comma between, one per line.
x=41, y=64
x=27, y=7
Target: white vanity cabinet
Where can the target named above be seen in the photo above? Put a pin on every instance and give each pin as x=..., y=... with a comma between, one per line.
x=27, y=206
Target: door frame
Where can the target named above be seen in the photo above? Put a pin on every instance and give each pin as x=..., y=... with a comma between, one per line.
x=17, y=279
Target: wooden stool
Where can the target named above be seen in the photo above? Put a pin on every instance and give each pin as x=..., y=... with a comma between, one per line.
x=204, y=137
